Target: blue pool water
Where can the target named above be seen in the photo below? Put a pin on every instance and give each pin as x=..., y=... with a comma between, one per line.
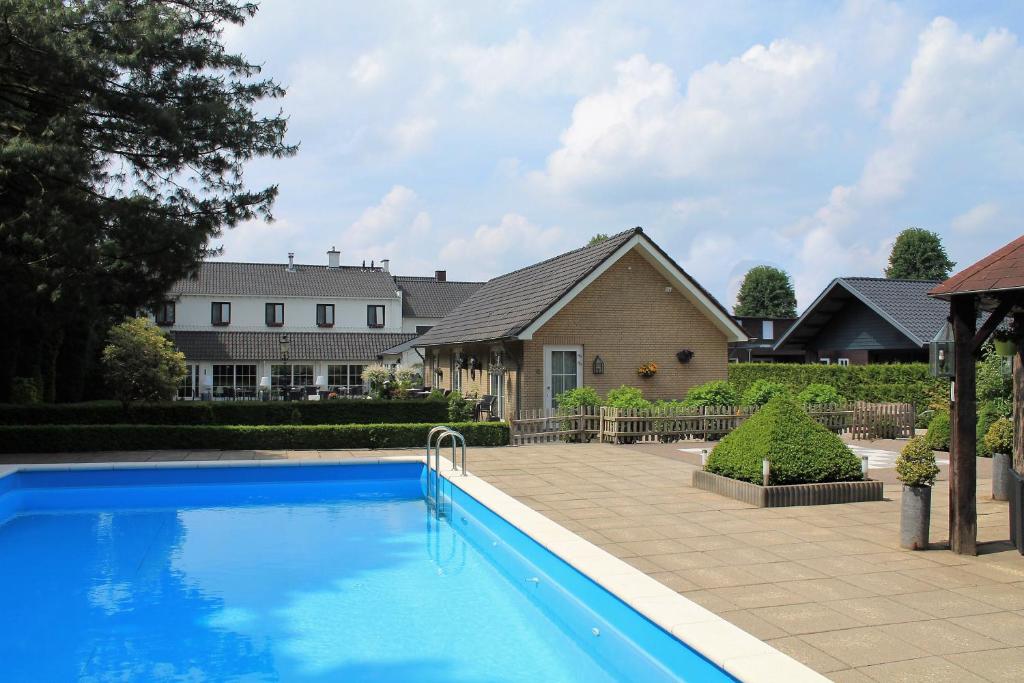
x=332, y=573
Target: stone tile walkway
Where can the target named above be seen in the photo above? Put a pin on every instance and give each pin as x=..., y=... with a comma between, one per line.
x=827, y=585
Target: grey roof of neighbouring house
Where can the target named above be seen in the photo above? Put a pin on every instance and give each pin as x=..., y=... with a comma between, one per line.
x=214, y=278
x=239, y=346
x=426, y=297
x=905, y=304
x=506, y=305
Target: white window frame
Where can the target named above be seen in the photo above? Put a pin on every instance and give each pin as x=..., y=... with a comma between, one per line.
x=547, y=369
x=767, y=329
x=842, y=361
x=825, y=361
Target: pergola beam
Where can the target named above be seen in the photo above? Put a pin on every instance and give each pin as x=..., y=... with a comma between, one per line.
x=963, y=513
x=990, y=325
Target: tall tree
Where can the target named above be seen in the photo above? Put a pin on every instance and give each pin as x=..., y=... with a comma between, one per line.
x=918, y=255
x=766, y=292
x=124, y=129
x=597, y=239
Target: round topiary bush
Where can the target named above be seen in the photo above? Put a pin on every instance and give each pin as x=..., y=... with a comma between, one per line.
x=800, y=450
x=939, y=432
x=999, y=437
x=762, y=391
x=819, y=394
x=916, y=464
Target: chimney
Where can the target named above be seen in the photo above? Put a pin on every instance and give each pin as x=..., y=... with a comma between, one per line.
x=385, y=265
x=333, y=258
x=291, y=261
x=440, y=275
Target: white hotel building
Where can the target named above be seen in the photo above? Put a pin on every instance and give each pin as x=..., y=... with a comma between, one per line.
x=238, y=323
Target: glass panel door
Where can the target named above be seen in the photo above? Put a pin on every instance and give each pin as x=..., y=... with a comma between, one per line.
x=563, y=373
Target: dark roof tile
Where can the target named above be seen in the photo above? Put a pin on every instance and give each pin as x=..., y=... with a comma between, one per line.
x=226, y=278
x=426, y=297
x=242, y=346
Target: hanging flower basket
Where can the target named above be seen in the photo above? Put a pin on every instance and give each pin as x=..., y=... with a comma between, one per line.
x=1005, y=342
x=647, y=369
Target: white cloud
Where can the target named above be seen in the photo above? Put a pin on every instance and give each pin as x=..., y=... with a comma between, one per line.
x=708, y=253
x=413, y=135
x=368, y=69
x=247, y=241
x=976, y=219
x=491, y=248
x=730, y=116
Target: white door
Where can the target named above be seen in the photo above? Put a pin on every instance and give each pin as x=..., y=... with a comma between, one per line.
x=563, y=370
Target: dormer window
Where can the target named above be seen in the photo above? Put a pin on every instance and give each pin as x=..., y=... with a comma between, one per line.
x=220, y=313
x=374, y=316
x=325, y=315
x=165, y=314
x=275, y=315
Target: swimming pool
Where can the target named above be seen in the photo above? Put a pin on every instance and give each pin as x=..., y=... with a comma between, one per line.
x=289, y=573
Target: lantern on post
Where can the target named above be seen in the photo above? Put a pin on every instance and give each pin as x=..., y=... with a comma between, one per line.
x=284, y=345
x=942, y=352
x=598, y=365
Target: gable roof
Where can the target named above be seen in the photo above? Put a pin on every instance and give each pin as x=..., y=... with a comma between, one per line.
x=214, y=278
x=427, y=297
x=1001, y=270
x=515, y=304
x=240, y=346
x=904, y=304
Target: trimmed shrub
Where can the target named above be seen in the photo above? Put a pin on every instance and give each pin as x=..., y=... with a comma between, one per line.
x=800, y=450
x=939, y=432
x=762, y=391
x=627, y=397
x=338, y=411
x=999, y=437
x=580, y=397
x=83, y=438
x=819, y=394
x=717, y=393
x=459, y=409
x=915, y=465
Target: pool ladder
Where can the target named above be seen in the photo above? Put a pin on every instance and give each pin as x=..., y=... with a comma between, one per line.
x=434, y=439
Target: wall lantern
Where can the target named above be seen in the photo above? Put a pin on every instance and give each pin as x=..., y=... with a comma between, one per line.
x=598, y=365
x=684, y=356
x=942, y=353
x=284, y=345
x=460, y=362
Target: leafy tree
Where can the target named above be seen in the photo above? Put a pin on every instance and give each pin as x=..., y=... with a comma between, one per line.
x=766, y=292
x=141, y=363
x=124, y=129
x=918, y=255
x=597, y=239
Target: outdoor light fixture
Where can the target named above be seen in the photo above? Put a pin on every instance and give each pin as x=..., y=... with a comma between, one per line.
x=284, y=345
x=942, y=353
x=598, y=365
x=684, y=356
x=321, y=381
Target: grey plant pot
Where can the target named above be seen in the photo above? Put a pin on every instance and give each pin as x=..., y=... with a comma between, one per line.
x=1000, y=476
x=915, y=517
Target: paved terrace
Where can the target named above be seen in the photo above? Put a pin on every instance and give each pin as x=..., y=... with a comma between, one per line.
x=827, y=585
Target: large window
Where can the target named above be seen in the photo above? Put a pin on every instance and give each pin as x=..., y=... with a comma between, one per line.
x=275, y=315
x=374, y=316
x=346, y=379
x=245, y=381
x=280, y=376
x=498, y=391
x=220, y=313
x=186, y=388
x=325, y=315
x=302, y=375
x=456, y=374
x=165, y=313
x=564, y=374
x=223, y=381
x=767, y=329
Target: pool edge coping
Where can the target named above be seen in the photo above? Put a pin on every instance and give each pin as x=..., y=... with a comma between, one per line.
x=739, y=653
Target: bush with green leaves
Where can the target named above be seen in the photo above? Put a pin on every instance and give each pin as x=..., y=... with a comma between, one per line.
x=916, y=465
x=800, y=450
x=939, y=432
x=762, y=391
x=716, y=393
x=24, y=391
x=459, y=409
x=580, y=397
x=141, y=363
x=819, y=394
x=437, y=395
x=627, y=397
x=999, y=437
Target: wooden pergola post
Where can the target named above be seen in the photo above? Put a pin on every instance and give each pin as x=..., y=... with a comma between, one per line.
x=1018, y=401
x=963, y=514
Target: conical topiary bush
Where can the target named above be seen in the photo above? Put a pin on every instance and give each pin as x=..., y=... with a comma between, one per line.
x=799, y=450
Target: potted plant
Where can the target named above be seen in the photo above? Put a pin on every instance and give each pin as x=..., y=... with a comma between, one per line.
x=1005, y=340
x=999, y=440
x=647, y=369
x=916, y=468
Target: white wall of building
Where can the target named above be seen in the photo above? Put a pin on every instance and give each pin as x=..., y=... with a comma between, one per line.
x=248, y=314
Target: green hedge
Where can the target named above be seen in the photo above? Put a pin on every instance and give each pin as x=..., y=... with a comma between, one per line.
x=897, y=382
x=64, y=438
x=341, y=411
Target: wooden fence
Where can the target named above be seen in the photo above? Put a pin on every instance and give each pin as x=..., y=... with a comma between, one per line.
x=664, y=425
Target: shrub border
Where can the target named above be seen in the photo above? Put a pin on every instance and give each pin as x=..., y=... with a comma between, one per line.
x=789, y=495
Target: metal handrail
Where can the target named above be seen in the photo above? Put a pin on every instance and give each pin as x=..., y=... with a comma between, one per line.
x=430, y=438
x=457, y=439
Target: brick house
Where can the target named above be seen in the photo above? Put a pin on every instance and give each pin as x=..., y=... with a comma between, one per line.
x=589, y=317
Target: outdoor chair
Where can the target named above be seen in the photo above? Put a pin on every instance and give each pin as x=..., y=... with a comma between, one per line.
x=486, y=404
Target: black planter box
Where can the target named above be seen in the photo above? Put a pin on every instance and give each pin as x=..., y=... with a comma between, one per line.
x=1017, y=510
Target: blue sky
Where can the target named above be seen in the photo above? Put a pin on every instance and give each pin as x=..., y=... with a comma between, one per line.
x=480, y=137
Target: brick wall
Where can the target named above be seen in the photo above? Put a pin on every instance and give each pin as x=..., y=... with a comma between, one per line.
x=628, y=318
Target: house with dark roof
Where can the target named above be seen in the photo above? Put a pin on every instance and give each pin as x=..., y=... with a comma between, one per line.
x=862, y=320
x=763, y=332
x=589, y=317
x=245, y=325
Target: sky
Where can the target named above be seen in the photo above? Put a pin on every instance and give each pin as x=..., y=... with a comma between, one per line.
x=479, y=137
